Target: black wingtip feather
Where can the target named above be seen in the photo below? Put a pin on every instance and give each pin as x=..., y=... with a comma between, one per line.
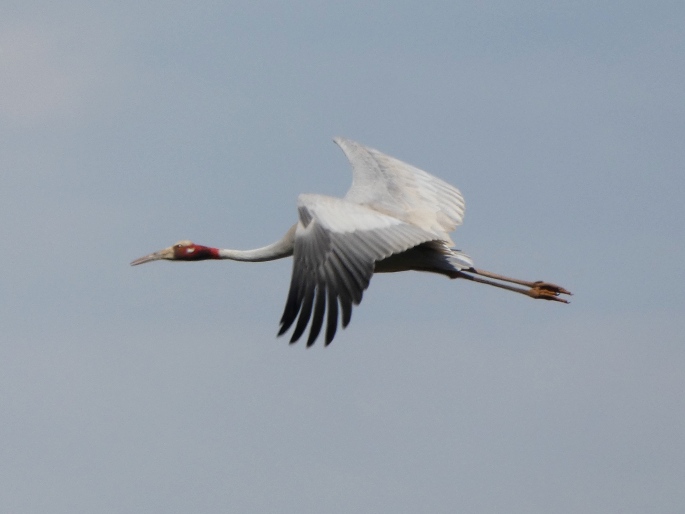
x=305, y=314
x=317, y=318
x=332, y=323
x=292, y=308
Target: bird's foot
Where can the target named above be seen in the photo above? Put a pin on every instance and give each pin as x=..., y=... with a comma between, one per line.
x=546, y=291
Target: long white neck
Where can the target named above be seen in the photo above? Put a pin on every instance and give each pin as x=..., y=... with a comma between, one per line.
x=278, y=250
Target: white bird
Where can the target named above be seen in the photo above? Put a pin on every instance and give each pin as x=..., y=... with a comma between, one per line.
x=395, y=217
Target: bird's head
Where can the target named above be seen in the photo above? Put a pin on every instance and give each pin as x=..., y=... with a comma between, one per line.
x=181, y=251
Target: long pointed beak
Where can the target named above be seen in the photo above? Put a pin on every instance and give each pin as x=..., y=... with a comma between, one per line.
x=162, y=254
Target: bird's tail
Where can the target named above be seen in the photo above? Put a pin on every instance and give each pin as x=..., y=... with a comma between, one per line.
x=460, y=260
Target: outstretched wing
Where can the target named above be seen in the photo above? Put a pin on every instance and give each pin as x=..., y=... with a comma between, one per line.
x=402, y=191
x=336, y=245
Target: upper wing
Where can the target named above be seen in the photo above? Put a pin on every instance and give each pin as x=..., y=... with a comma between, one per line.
x=336, y=245
x=400, y=190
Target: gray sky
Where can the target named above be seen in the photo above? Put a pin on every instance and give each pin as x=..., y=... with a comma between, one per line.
x=127, y=126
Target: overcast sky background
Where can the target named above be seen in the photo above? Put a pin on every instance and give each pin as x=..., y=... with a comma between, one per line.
x=126, y=126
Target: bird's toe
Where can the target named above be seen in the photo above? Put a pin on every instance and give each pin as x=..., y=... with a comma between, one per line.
x=547, y=291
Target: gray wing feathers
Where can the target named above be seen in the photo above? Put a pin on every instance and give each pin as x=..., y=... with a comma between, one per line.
x=333, y=262
x=403, y=191
x=391, y=207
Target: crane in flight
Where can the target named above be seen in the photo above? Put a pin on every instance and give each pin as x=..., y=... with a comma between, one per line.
x=395, y=217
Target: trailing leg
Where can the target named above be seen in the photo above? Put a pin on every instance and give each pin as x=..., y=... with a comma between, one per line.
x=538, y=290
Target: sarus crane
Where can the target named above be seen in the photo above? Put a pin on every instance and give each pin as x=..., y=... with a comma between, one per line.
x=395, y=217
